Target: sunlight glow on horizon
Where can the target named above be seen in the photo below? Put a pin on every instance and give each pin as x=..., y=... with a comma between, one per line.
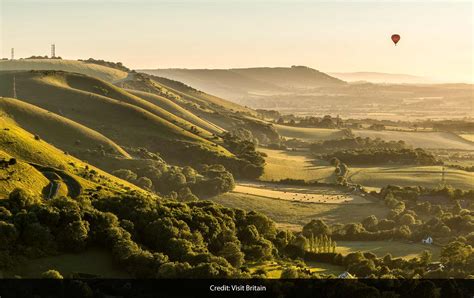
x=436, y=37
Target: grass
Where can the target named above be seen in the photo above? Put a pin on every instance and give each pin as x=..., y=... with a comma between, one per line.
x=293, y=215
x=21, y=144
x=122, y=122
x=421, y=139
x=93, y=261
x=308, y=194
x=274, y=269
x=177, y=110
x=21, y=175
x=58, y=130
x=433, y=140
x=309, y=134
x=295, y=165
x=381, y=248
x=99, y=71
x=426, y=176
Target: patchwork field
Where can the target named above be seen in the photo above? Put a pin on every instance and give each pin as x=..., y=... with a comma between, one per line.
x=293, y=214
x=428, y=176
x=434, y=140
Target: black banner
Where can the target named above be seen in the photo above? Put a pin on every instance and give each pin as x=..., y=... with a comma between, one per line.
x=363, y=288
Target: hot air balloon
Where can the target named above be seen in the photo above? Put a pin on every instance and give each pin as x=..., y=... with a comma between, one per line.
x=395, y=38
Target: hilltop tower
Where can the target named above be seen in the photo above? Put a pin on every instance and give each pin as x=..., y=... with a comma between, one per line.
x=13, y=54
x=53, y=51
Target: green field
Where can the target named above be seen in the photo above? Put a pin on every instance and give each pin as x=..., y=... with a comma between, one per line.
x=381, y=248
x=427, y=176
x=274, y=269
x=430, y=140
x=294, y=215
x=93, y=261
x=309, y=134
x=299, y=165
x=295, y=165
x=421, y=139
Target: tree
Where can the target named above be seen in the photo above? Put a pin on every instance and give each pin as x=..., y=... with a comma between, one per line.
x=231, y=252
x=145, y=183
x=51, y=274
x=370, y=222
x=316, y=227
x=407, y=219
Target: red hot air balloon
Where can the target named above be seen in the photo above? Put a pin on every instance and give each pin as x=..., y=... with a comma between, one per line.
x=395, y=38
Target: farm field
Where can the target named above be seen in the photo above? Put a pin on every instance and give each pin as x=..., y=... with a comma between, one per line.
x=294, y=215
x=426, y=176
x=93, y=261
x=305, y=194
x=381, y=248
x=433, y=140
x=309, y=134
x=274, y=269
x=282, y=164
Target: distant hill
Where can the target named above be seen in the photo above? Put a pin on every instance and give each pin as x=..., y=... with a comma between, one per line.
x=378, y=77
x=239, y=83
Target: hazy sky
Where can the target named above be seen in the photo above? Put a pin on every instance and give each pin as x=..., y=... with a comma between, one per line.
x=436, y=37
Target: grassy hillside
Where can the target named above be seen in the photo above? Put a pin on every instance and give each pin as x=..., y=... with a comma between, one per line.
x=21, y=175
x=62, y=132
x=30, y=151
x=94, y=70
x=219, y=112
x=177, y=110
x=121, y=122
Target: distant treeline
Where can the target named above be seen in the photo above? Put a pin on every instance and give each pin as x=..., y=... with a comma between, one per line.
x=116, y=65
x=384, y=156
x=355, y=143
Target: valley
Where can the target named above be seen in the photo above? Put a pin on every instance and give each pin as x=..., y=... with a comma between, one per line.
x=123, y=168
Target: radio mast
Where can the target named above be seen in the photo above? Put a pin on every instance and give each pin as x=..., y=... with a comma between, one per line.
x=53, y=51
x=13, y=53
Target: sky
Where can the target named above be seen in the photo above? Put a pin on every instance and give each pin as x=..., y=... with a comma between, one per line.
x=338, y=36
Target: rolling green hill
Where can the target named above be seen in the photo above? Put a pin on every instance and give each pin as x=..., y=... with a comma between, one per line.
x=36, y=160
x=120, y=121
x=62, y=132
x=94, y=70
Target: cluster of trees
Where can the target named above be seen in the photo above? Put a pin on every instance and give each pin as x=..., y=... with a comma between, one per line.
x=253, y=161
x=384, y=156
x=116, y=65
x=182, y=183
x=325, y=122
x=149, y=236
x=355, y=143
x=341, y=170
